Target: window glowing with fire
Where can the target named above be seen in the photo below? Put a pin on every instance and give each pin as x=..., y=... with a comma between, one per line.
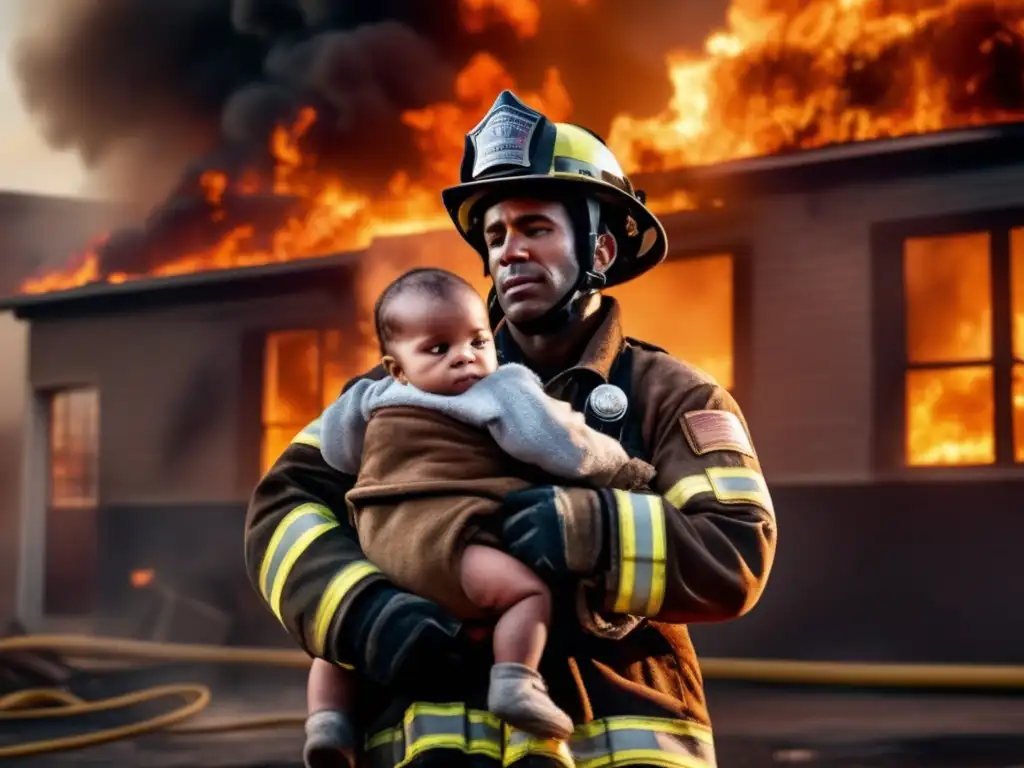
x=959, y=376
x=685, y=306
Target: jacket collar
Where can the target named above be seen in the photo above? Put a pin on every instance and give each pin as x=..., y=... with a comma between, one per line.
x=598, y=355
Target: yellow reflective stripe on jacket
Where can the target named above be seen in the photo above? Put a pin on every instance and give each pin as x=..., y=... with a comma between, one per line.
x=729, y=485
x=683, y=492
x=339, y=586
x=615, y=741
x=293, y=536
x=641, y=588
x=740, y=485
x=435, y=726
x=310, y=435
x=605, y=743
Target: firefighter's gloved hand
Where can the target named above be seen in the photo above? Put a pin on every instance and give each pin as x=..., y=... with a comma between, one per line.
x=557, y=531
x=405, y=642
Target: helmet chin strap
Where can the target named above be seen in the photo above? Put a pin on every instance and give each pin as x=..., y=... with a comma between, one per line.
x=585, y=216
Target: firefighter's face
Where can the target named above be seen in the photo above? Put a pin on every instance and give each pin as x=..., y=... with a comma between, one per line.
x=440, y=345
x=531, y=255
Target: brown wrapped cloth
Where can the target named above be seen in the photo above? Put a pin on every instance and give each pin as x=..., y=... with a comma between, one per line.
x=427, y=487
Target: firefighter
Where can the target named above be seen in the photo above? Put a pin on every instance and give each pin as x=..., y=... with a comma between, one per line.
x=555, y=219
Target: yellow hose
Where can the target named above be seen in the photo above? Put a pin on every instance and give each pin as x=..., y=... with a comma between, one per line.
x=54, y=703
x=863, y=675
x=197, y=697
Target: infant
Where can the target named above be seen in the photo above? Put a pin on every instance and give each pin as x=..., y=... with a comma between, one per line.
x=435, y=447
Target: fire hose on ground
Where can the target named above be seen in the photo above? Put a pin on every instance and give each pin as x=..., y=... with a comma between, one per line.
x=54, y=703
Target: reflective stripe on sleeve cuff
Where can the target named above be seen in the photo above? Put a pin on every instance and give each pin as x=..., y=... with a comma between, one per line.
x=641, y=529
x=339, y=587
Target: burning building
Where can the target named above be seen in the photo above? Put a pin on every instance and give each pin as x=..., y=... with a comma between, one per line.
x=841, y=181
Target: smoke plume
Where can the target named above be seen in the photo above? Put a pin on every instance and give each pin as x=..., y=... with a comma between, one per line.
x=152, y=93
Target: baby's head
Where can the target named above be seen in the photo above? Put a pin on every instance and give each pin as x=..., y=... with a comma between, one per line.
x=434, y=332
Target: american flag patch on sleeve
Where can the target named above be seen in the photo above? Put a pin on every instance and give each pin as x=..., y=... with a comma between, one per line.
x=708, y=431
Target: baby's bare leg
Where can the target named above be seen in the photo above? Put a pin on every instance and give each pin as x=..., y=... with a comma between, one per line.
x=330, y=736
x=517, y=694
x=493, y=579
x=329, y=687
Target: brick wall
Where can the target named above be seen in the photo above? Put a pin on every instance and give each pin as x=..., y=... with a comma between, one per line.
x=812, y=368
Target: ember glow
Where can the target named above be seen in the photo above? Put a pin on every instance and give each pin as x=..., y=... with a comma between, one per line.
x=140, y=578
x=780, y=76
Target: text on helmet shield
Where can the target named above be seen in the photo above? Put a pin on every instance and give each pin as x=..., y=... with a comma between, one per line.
x=503, y=138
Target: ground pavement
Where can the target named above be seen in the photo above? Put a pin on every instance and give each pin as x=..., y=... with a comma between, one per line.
x=755, y=727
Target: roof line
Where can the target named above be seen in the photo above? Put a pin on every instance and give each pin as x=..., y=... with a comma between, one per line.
x=845, y=153
x=147, y=284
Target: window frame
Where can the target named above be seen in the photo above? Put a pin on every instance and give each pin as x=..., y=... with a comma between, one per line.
x=742, y=310
x=264, y=336
x=50, y=396
x=889, y=329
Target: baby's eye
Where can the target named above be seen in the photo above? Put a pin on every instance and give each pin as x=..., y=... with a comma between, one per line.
x=481, y=342
x=438, y=349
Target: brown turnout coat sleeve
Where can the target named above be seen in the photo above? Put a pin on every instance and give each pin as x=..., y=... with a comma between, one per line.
x=302, y=553
x=700, y=548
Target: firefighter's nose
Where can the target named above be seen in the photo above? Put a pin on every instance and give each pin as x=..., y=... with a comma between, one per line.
x=514, y=251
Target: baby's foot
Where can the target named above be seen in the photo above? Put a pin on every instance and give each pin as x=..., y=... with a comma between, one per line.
x=519, y=696
x=330, y=740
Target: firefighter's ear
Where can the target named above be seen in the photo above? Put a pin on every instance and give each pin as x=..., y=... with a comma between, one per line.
x=607, y=250
x=394, y=369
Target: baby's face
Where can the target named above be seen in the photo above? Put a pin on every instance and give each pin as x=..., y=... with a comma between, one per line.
x=441, y=346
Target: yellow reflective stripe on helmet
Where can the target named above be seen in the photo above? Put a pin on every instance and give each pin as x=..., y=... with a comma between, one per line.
x=310, y=434
x=641, y=588
x=604, y=743
x=740, y=485
x=300, y=528
x=339, y=586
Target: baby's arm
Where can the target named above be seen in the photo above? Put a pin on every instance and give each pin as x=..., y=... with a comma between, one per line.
x=537, y=429
x=343, y=424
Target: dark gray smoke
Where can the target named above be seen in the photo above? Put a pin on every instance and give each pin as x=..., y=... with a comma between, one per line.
x=182, y=86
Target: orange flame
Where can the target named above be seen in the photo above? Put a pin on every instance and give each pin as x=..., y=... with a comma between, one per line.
x=781, y=75
x=817, y=72
x=330, y=217
x=522, y=15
